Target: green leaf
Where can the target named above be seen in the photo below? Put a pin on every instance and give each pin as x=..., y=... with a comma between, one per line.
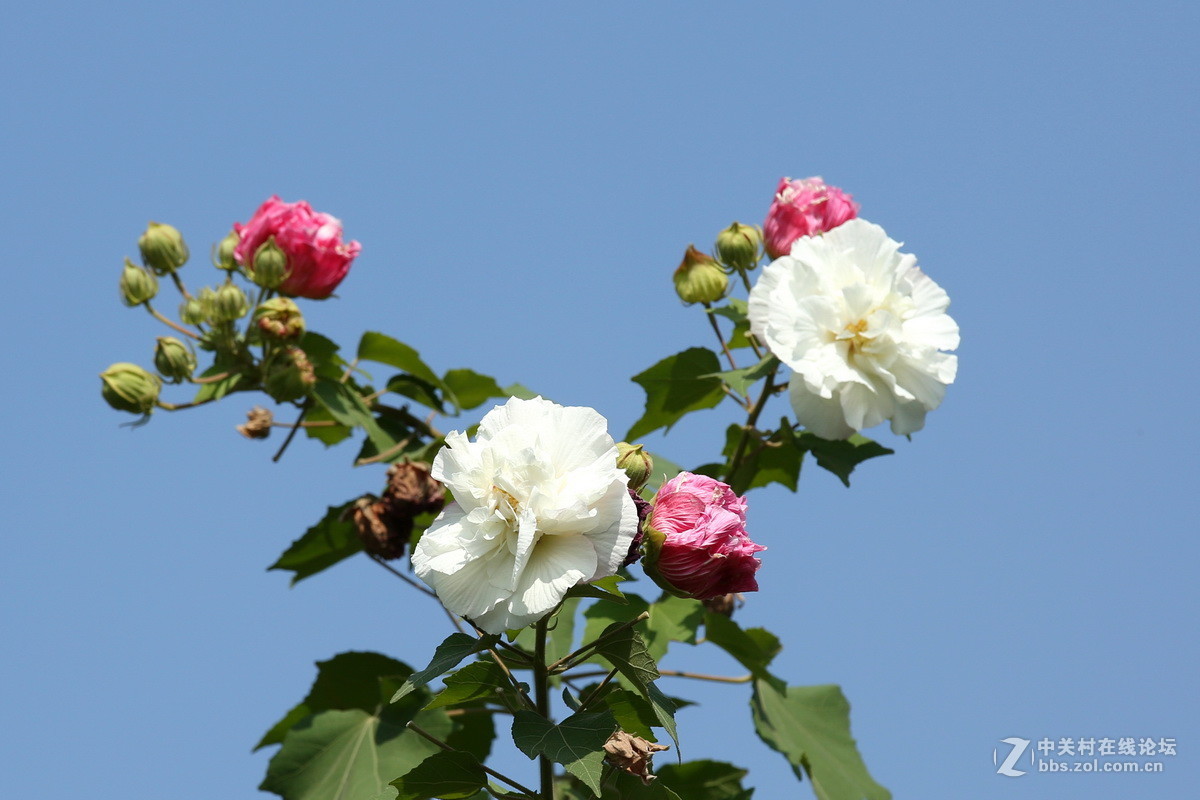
x=522, y=392
x=740, y=380
x=673, y=619
x=449, y=654
x=577, y=742
x=705, y=780
x=810, y=726
x=323, y=545
x=446, y=775
x=384, y=349
x=348, y=680
x=471, y=388
x=841, y=457
x=754, y=648
x=777, y=461
x=676, y=386
x=217, y=389
x=627, y=652
x=345, y=406
x=414, y=388
x=736, y=310
x=474, y=732
x=334, y=755
x=323, y=355
x=476, y=681
x=329, y=435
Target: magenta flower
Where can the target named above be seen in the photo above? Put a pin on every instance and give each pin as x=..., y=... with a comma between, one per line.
x=317, y=259
x=697, y=542
x=804, y=207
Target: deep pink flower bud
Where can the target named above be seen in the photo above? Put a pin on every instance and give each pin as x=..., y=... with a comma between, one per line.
x=804, y=207
x=696, y=540
x=317, y=259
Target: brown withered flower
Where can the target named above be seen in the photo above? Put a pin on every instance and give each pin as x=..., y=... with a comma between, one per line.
x=632, y=754
x=412, y=490
x=258, y=423
x=725, y=604
x=382, y=534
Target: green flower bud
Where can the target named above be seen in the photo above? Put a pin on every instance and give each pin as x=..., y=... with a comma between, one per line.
x=269, y=268
x=194, y=311
x=290, y=375
x=740, y=246
x=128, y=387
x=279, y=319
x=137, y=284
x=699, y=278
x=173, y=360
x=163, y=248
x=228, y=303
x=636, y=463
x=224, y=258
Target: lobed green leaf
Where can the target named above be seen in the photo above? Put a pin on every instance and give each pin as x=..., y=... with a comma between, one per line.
x=449, y=654
x=331, y=540
x=577, y=742
x=446, y=775
x=676, y=386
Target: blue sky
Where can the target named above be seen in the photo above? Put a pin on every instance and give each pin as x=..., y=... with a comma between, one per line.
x=523, y=179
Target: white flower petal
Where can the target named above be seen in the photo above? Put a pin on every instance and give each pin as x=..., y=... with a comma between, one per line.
x=861, y=327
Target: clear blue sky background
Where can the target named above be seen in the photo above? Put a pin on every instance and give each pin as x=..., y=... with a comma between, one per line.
x=523, y=178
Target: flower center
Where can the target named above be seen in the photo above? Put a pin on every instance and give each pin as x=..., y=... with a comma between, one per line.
x=854, y=336
x=508, y=506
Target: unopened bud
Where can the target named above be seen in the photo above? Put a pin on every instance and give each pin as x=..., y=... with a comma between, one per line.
x=128, y=387
x=137, y=284
x=163, y=248
x=173, y=360
x=269, y=267
x=258, y=423
x=699, y=278
x=193, y=311
x=290, y=375
x=224, y=258
x=280, y=319
x=740, y=246
x=228, y=303
x=636, y=462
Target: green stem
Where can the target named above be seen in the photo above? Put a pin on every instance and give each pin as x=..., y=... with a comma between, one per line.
x=700, y=677
x=168, y=322
x=295, y=427
x=498, y=776
x=736, y=461
x=181, y=406
x=541, y=686
x=557, y=666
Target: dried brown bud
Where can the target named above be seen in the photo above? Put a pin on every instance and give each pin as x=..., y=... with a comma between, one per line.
x=412, y=490
x=724, y=604
x=632, y=754
x=382, y=534
x=258, y=423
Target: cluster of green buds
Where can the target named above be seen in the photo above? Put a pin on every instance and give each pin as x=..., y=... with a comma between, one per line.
x=701, y=278
x=289, y=376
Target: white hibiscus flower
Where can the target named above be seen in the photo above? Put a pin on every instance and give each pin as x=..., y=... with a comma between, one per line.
x=540, y=506
x=860, y=326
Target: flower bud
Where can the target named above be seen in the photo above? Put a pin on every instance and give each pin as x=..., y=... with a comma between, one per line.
x=279, y=319
x=128, y=387
x=804, y=207
x=290, y=375
x=228, y=303
x=193, y=311
x=137, y=284
x=173, y=360
x=699, y=278
x=696, y=543
x=740, y=246
x=163, y=248
x=269, y=268
x=636, y=462
x=257, y=424
x=224, y=258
